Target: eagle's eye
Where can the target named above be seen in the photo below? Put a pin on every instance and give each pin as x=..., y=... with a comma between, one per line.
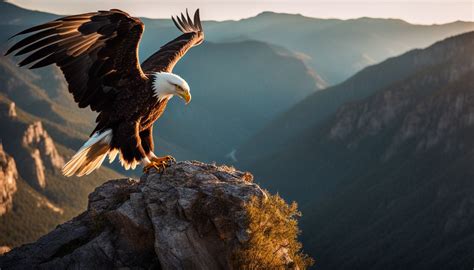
x=178, y=88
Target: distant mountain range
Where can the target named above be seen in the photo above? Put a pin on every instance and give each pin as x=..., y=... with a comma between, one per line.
x=382, y=163
x=335, y=48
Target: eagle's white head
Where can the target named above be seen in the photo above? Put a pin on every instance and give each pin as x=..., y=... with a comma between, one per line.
x=166, y=85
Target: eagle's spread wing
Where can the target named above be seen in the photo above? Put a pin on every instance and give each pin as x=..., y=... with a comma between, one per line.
x=169, y=54
x=96, y=51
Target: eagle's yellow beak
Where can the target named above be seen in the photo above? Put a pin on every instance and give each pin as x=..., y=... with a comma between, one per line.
x=186, y=96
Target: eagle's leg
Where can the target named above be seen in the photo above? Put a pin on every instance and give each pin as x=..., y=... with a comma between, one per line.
x=151, y=160
x=131, y=146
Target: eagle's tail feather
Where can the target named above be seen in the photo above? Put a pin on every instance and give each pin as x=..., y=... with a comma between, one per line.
x=91, y=155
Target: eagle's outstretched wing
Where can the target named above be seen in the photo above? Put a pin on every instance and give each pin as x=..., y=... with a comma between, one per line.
x=166, y=58
x=97, y=53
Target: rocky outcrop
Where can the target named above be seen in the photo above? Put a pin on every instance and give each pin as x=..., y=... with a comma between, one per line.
x=12, y=110
x=43, y=154
x=30, y=144
x=7, y=109
x=36, y=169
x=8, y=178
x=36, y=136
x=192, y=216
x=443, y=120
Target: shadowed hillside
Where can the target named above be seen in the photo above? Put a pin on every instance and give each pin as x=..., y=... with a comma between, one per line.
x=319, y=107
x=43, y=197
x=237, y=87
x=386, y=180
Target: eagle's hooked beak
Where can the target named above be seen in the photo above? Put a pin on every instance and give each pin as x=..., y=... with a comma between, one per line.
x=185, y=94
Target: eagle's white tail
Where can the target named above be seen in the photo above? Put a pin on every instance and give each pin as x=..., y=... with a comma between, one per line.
x=91, y=155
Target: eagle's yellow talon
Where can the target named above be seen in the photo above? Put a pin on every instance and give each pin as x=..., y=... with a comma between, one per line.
x=158, y=166
x=159, y=163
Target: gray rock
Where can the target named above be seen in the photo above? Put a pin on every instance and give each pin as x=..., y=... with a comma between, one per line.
x=191, y=216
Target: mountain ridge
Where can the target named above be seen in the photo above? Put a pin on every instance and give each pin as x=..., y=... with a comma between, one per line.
x=325, y=103
x=384, y=180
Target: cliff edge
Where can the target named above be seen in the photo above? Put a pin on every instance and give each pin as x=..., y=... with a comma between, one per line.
x=192, y=216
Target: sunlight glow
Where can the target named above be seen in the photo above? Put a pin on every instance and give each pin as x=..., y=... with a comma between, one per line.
x=420, y=11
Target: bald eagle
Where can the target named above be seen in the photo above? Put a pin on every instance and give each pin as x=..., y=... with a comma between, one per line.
x=98, y=55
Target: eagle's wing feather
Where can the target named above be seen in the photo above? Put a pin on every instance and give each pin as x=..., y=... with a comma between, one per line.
x=166, y=58
x=97, y=52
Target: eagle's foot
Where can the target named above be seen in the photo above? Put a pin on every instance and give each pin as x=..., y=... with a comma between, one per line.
x=159, y=163
x=167, y=160
x=158, y=166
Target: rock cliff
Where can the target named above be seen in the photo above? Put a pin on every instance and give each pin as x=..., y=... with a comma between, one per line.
x=7, y=110
x=30, y=144
x=425, y=110
x=191, y=216
x=42, y=153
x=8, y=178
x=37, y=137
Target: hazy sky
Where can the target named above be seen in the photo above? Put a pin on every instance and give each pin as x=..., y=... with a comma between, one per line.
x=421, y=11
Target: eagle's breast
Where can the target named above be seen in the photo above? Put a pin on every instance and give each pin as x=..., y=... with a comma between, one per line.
x=155, y=110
